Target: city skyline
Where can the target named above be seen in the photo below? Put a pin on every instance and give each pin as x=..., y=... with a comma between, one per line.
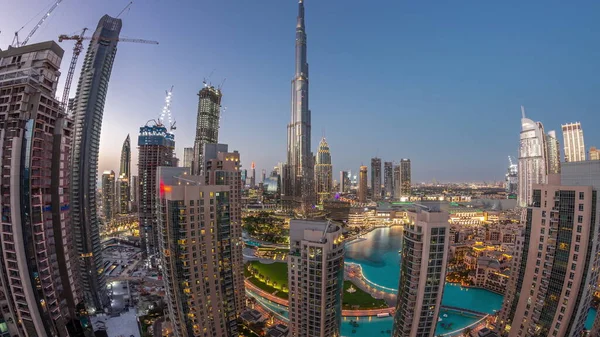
x=526, y=80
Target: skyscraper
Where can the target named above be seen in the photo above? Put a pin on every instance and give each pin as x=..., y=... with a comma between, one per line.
x=376, y=178
x=298, y=176
x=345, y=181
x=594, y=153
x=512, y=179
x=207, y=123
x=362, y=184
x=553, y=153
x=533, y=159
x=88, y=107
x=109, y=196
x=315, y=278
x=574, y=145
x=422, y=272
x=405, y=178
x=557, y=270
x=253, y=175
x=388, y=179
x=188, y=156
x=209, y=299
x=156, y=148
x=323, y=172
x=135, y=190
x=39, y=281
x=124, y=182
x=397, y=182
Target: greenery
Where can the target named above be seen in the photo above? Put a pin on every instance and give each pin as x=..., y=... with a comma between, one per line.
x=360, y=299
x=266, y=227
x=268, y=277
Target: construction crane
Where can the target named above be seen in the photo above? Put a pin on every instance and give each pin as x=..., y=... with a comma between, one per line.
x=166, y=111
x=15, y=42
x=76, y=51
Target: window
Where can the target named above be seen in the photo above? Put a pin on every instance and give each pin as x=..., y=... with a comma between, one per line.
x=581, y=207
x=580, y=219
x=581, y=195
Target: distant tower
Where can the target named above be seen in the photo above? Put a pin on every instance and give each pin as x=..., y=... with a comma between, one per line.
x=188, y=156
x=156, y=148
x=594, y=153
x=422, y=272
x=533, y=159
x=553, y=153
x=512, y=179
x=362, y=184
x=323, y=172
x=109, y=196
x=345, y=182
x=264, y=175
x=124, y=182
x=88, y=107
x=376, y=178
x=397, y=182
x=574, y=145
x=315, y=304
x=253, y=176
x=207, y=123
x=388, y=179
x=405, y=177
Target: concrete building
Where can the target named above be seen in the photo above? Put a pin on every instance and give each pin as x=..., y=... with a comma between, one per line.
x=376, y=178
x=490, y=275
x=135, y=196
x=315, y=278
x=109, y=195
x=124, y=181
x=362, y=184
x=388, y=179
x=40, y=287
x=553, y=153
x=558, y=266
x=207, y=123
x=323, y=173
x=156, y=148
x=405, y=178
x=88, y=107
x=188, y=156
x=594, y=153
x=533, y=159
x=345, y=182
x=574, y=144
x=422, y=272
x=397, y=182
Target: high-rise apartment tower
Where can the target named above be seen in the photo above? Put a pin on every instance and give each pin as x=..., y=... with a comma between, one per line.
x=207, y=123
x=574, y=145
x=376, y=178
x=323, y=172
x=188, y=156
x=533, y=158
x=405, y=178
x=388, y=179
x=109, y=196
x=124, y=181
x=362, y=184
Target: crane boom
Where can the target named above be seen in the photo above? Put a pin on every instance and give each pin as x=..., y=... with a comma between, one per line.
x=76, y=51
x=38, y=24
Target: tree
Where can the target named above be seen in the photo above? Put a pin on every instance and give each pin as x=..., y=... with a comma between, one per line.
x=467, y=332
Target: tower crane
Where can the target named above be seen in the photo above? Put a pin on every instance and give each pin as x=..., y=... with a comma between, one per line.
x=77, y=50
x=166, y=111
x=16, y=43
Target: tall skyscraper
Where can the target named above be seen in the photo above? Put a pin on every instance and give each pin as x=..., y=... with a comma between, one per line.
x=405, y=178
x=253, y=175
x=109, y=196
x=345, y=181
x=207, y=123
x=388, y=179
x=512, y=179
x=553, y=153
x=315, y=278
x=594, y=153
x=397, y=182
x=124, y=182
x=558, y=268
x=298, y=176
x=574, y=145
x=362, y=184
x=156, y=148
x=422, y=272
x=39, y=281
x=533, y=159
x=135, y=190
x=188, y=156
x=323, y=172
x=88, y=107
x=206, y=300
x=376, y=178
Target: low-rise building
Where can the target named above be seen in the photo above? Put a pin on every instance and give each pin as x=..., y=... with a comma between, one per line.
x=490, y=275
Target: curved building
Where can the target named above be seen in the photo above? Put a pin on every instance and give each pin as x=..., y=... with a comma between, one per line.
x=532, y=159
x=88, y=107
x=323, y=172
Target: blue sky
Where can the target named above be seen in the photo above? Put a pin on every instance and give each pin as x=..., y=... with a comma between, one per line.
x=438, y=82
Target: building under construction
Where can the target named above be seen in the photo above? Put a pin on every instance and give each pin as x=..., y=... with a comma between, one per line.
x=207, y=123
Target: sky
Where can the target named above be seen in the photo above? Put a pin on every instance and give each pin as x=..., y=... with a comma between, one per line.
x=438, y=82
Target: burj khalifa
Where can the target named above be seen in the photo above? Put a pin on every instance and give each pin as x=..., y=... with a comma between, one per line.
x=299, y=173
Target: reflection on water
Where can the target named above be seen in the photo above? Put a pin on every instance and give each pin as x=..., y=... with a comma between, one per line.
x=378, y=244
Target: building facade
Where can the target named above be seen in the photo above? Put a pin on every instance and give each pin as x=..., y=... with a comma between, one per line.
x=532, y=159
x=558, y=267
x=109, y=196
x=88, y=107
x=574, y=144
x=388, y=179
x=362, y=184
x=135, y=189
x=323, y=172
x=422, y=272
x=207, y=123
x=315, y=278
x=39, y=268
x=553, y=153
x=405, y=178
x=376, y=178
x=156, y=148
x=124, y=181
x=594, y=153
x=397, y=182
x=345, y=182
x=188, y=156
x=512, y=180
x=299, y=175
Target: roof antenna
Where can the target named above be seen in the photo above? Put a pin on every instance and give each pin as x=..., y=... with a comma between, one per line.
x=523, y=111
x=125, y=9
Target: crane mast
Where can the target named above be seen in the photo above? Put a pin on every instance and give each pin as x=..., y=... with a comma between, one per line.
x=166, y=111
x=76, y=51
x=15, y=42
